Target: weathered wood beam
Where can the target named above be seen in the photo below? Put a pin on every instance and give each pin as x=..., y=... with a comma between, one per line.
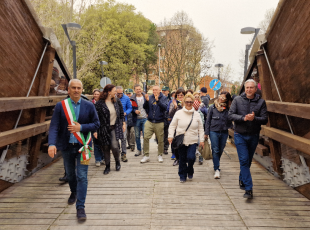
x=289, y=108
x=11, y=136
x=265, y=80
x=18, y=103
x=300, y=143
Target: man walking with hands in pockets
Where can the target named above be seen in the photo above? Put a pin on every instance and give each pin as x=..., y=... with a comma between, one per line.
x=155, y=106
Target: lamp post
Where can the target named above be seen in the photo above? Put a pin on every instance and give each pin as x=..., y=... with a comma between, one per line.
x=248, y=30
x=102, y=63
x=159, y=45
x=208, y=66
x=72, y=26
x=219, y=65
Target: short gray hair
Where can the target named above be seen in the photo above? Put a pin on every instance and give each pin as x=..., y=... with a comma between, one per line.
x=72, y=80
x=251, y=80
x=119, y=87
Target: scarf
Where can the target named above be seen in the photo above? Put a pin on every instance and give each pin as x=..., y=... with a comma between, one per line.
x=196, y=104
x=219, y=106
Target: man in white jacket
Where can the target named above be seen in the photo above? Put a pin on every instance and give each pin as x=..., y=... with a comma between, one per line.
x=187, y=117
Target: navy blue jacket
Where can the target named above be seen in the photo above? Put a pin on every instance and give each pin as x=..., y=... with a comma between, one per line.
x=217, y=121
x=156, y=110
x=58, y=131
x=242, y=106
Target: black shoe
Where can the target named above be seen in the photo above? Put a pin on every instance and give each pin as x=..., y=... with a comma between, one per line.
x=107, y=169
x=118, y=166
x=80, y=214
x=248, y=194
x=200, y=160
x=128, y=147
x=176, y=162
x=64, y=178
x=166, y=152
x=242, y=186
x=72, y=198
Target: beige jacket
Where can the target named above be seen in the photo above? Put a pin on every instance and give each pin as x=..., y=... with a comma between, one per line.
x=180, y=122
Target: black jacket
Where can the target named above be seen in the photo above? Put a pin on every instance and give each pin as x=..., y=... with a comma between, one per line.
x=205, y=100
x=217, y=121
x=242, y=106
x=156, y=110
x=104, y=133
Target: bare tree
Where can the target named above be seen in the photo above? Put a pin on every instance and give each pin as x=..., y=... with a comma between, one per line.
x=185, y=52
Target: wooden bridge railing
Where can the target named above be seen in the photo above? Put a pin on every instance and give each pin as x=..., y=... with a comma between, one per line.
x=19, y=103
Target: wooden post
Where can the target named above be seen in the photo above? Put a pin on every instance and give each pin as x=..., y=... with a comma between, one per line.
x=265, y=80
x=40, y=113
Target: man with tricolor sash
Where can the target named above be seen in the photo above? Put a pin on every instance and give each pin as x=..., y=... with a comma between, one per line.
x=70, y=131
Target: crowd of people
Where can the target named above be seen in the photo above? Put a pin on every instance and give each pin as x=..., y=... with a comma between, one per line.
x=118, y=120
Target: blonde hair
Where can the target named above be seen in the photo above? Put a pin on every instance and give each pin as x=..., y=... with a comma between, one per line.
x=199, y=99
x=188, y=95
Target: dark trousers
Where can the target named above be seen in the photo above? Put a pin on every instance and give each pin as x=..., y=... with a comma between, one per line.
x=186, y=160
x=176, y=153
x=114, y=146
x=76, y=174
x=166, y=142
x=246, y=146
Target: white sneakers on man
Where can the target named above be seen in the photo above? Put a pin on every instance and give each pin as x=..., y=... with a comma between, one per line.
x=217, y=174
x=145, y=159
x=160, y=159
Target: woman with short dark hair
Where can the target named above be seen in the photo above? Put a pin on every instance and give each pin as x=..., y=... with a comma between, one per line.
x=216, y=127
x=112, y=125
x=175, y=106
x=99, y=156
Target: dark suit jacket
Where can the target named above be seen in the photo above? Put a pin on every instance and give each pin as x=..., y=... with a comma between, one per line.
x=58, y=132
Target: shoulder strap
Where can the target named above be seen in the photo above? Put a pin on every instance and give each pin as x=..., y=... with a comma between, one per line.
x=190, y=122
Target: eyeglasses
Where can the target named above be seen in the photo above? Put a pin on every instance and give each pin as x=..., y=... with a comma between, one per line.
x=119, y=93
x=189, y=102
x=223, y=98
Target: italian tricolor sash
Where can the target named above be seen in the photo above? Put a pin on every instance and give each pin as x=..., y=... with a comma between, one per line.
x=70, y=115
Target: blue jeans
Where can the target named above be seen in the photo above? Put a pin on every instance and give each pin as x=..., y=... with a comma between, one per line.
x=186, y=155
x=138, y=128
x=218, y=143
x=246, y=145
x=98, y=153
x=76, y=174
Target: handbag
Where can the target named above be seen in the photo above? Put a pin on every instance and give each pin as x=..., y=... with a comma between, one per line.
x=178, y=140
x=206, y=151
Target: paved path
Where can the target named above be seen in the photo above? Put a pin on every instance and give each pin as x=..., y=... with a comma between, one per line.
x=149, y=196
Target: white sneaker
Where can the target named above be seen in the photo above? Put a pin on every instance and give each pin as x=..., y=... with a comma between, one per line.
x=217, y=174
x=145, y=159
x=98, y=163
x=160, y=159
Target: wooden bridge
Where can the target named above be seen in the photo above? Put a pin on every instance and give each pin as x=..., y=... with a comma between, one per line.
x=149, y=196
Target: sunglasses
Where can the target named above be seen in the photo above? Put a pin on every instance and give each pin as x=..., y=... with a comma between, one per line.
x=119, y=93
x=189, y=102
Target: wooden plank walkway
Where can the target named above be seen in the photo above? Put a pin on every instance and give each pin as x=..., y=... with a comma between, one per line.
x=149, y=196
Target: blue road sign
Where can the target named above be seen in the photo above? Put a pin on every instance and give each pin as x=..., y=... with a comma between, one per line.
x=215, y=84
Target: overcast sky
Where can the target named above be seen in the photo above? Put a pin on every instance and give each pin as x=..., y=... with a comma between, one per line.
x=219, y=20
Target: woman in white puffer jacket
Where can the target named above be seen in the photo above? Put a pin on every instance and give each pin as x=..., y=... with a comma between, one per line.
x=187, y=150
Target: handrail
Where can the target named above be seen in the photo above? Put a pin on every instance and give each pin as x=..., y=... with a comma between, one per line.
x=289, y=108
x=19, y=103
x=18, y=134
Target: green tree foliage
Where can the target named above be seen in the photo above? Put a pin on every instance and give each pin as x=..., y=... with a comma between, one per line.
x=111, y=32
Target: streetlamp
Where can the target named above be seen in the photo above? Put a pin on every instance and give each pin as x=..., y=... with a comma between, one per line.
x=248, y=30
x=219, y=65
x=208, y=66
x=72, y=26
x=159, y=45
